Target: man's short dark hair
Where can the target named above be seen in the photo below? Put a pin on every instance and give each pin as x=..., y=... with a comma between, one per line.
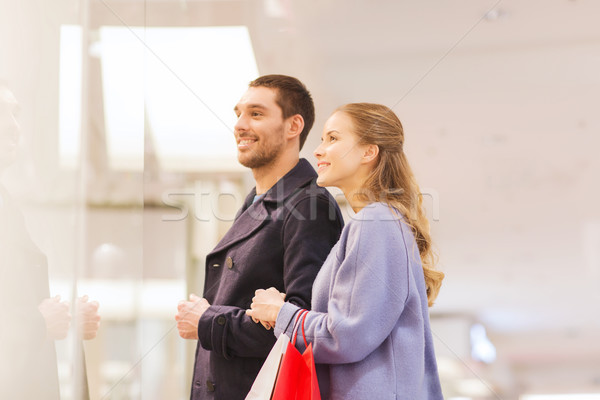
x=292, y=97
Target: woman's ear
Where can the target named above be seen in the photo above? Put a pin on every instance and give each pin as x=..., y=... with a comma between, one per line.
x=370, y=153
x=296, y=125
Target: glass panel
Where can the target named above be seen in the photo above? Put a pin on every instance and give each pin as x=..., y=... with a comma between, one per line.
x=45, y=316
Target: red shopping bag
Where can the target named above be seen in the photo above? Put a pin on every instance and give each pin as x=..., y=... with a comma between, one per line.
x=297, y=377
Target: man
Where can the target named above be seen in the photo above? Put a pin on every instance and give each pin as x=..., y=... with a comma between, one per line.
x=280, y=238
x=30, y=321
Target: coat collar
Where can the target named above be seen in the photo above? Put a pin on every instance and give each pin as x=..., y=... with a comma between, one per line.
x=254, y=215
x=297, y=177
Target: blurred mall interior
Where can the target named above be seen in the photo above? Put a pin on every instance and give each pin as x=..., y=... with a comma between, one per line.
x=126, y=169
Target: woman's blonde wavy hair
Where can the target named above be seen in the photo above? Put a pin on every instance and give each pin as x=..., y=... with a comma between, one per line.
x=392, y=180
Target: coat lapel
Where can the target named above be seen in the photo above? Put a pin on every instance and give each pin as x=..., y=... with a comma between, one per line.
x=255, y=215
x=248, y=222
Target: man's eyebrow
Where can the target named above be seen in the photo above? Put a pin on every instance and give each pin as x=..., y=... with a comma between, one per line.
x=262, y=107
x=251, y=106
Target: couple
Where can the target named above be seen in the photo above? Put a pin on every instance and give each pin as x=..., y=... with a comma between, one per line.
x=373, y=284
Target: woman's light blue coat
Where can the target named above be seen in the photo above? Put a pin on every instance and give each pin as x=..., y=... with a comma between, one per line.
x=369, y=323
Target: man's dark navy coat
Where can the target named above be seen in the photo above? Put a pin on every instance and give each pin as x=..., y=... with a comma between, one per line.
x=281, y=240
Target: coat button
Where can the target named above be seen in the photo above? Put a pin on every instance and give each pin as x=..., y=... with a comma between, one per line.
x=221, y=320
x=210, y=386
x=229, y=262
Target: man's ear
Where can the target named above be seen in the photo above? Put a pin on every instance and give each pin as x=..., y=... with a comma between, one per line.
x=295, y=126
x=370, y=153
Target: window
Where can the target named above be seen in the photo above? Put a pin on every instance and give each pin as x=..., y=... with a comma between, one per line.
x=174, y=87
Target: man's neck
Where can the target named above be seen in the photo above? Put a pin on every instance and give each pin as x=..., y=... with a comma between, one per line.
x=267, y=176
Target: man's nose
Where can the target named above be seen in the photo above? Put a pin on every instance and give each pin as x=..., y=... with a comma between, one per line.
x=241, y=125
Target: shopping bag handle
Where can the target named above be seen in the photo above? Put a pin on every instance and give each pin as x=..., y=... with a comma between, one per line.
x=303, y=314
x=291, y=319
x=297, y=326
x=303, y=335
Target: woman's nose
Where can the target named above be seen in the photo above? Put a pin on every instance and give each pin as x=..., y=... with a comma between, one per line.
x=319, y=151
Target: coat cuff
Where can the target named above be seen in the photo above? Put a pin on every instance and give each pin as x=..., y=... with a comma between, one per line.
x=286, y=313
x=212, y=331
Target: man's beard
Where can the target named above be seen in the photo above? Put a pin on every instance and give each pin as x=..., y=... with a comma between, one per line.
x=264, y=154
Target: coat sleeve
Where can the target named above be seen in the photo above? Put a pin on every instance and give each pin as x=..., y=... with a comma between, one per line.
x=229, y=332
x=367, y=295
x=311, y=227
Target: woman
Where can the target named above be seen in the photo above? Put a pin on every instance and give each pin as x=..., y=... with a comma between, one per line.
x=369, y=323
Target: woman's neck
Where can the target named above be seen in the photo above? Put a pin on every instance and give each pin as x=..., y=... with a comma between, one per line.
x=358, y=198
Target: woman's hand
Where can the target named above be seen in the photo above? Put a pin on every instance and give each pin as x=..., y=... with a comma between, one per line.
x=265, y=306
